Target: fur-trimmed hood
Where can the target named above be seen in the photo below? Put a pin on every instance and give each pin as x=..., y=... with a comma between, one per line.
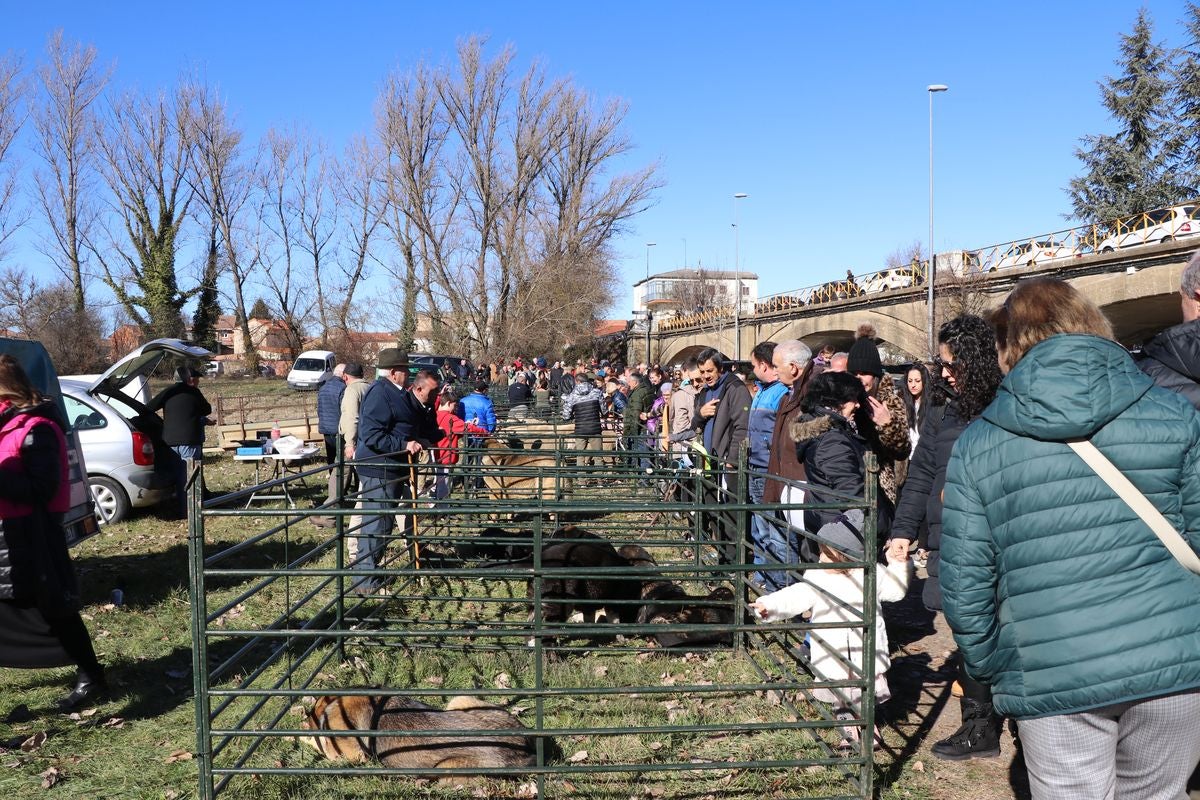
x=809, y=427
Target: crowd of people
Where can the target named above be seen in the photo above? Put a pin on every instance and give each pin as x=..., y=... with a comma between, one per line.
x=1071, y=616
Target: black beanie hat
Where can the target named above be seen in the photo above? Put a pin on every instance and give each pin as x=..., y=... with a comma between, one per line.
x=864, y=358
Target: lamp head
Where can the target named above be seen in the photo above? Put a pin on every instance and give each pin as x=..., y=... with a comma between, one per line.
x=740, y=195
x=937, y=87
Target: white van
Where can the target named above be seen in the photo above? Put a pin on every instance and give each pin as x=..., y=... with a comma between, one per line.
x=309, y=367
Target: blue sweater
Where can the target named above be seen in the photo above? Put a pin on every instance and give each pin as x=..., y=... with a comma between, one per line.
x=762, y=421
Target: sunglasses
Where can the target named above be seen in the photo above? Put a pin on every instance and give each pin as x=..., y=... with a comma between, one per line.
x=941, y=364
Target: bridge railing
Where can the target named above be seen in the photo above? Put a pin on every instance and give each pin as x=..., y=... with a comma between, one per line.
x=696, y=319
x=1063, y=246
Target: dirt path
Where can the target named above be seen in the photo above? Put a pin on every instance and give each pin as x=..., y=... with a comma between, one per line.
x=922, y=711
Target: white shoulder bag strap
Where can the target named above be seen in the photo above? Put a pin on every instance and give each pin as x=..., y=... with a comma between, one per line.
x=1150, y=515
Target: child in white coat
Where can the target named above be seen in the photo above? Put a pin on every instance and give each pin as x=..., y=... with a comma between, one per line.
x=836, y=595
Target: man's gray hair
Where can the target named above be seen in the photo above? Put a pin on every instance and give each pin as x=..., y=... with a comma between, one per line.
x=1190, y=281
x=793, y=351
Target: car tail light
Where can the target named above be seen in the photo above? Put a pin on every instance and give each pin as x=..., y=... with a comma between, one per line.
x=143, y=450
x=1185, y=227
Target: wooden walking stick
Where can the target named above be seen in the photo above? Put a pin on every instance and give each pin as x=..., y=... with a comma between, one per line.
x=412, y=488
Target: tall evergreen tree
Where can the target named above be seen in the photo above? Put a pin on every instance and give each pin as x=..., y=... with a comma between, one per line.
x=1183, y=145
x=1126, y=173
x=208, y=309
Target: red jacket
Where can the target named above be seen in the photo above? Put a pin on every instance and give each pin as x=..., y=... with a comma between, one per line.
x=452, y=429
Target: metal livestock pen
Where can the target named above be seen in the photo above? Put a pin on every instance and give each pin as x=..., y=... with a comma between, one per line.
x=630, y=686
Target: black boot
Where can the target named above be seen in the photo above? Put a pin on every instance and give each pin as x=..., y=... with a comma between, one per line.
x=89, y=686
x=979, y=736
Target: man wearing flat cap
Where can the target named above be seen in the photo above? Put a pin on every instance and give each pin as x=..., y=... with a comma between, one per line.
x=394, y=425
x=185, y=413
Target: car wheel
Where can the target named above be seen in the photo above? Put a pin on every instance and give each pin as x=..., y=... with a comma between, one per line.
x=1106, y=249
x=1166, y=239
x=112, y=504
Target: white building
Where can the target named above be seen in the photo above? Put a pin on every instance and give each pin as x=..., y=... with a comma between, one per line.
x=684, y=291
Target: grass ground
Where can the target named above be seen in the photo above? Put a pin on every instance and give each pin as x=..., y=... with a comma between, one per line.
x=139, y=743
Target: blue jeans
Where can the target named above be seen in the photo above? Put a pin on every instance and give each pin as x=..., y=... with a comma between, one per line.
x=378, y=494
x=183, y=454
x=770, y=541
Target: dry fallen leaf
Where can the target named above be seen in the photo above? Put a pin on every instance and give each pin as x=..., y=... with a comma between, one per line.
x=113, y=722
x=503, y=681
x=918, y=766
x=34, y=742
x=526, y=790
x=578, y=756
x=178, y=755
x=51, y=777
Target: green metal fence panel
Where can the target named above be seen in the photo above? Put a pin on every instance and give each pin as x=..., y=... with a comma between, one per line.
x=599, y=597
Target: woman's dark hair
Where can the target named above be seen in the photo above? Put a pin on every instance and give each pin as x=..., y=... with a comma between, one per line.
x=15, y=385
x=832, y=390
x=916, y=414
x=976, y=365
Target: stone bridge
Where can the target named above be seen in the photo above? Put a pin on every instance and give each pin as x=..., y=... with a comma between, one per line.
x=1138, y=288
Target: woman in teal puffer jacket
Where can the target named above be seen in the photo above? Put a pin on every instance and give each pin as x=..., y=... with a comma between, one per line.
x=1059, y=596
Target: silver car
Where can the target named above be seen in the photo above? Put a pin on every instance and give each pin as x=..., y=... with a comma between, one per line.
x=128, y=466
x=120, y=458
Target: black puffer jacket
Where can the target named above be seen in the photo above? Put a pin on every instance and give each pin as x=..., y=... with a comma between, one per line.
x=921, y=495
x=1172, y=360
x=832, y=454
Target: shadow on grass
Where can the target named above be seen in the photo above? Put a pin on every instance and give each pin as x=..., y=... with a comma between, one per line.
x=147, y=579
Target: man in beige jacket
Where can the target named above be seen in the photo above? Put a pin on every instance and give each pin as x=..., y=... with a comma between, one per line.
x=356, y=387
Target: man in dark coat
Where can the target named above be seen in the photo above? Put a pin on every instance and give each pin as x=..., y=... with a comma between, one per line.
x=633, y=418
x=394, y=426
x=519, y=395
x=1172, y=358
x=185, y=413
x=722, y=422
x=722, y=415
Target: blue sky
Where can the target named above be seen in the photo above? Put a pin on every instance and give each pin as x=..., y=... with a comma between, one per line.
x=817, y=110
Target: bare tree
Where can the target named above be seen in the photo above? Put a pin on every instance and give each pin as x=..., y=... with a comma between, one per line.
x=223, y=181
x=585, y=213
x=906, y=256
x=286, y=189
x=17, y=290
x=63, y=120
x=700, y=291
x=475, y=107
x=72, y=338
x=145, y=147
x=501, y=204
x=424, y=193
x=12, y=116
x=358, y=181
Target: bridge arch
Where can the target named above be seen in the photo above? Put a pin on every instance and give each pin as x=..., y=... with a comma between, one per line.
x=839, y=329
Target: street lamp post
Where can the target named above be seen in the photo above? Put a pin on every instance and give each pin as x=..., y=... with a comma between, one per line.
x=932, y=89
x=646, y=296
x=737, y=282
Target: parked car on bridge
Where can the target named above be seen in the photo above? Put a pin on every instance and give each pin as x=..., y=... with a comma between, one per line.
x=1153, y=227
x=1029, y=253
x=894, y=278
